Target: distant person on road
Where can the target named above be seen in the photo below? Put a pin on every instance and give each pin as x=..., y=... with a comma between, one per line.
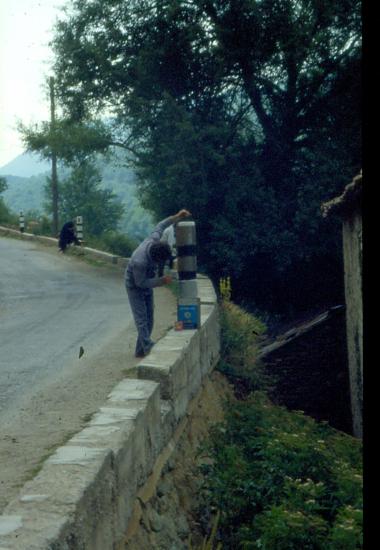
x=67, y=236
x=141, y=278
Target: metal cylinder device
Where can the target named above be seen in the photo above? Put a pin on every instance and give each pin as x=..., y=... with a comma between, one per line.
x=188, y=288
x=186, y=251
x=188, y=301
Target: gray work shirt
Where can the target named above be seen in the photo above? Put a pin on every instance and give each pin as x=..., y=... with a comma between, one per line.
x=141, y=269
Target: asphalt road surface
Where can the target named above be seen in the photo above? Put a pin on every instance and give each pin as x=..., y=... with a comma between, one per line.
x=51, y=305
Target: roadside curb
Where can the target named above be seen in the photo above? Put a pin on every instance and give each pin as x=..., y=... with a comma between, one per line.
x=76, y=251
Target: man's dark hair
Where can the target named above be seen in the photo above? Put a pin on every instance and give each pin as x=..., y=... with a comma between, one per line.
x=160, y=252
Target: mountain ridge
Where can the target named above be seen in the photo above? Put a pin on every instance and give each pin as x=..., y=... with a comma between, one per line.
x=25, y=165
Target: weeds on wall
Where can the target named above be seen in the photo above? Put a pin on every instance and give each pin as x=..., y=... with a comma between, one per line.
x=240, y=344
x=210, y=542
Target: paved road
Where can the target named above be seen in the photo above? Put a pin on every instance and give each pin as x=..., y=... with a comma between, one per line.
x=50, y=305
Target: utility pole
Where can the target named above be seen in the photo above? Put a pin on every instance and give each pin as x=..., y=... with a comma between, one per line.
x=54, y=178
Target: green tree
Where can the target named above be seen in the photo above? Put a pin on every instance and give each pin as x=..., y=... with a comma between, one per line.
x=3, y=184
x=3, y=209
x=81, y=195
x=235, y=110
x=62, y=139
x=71, y=141
x=5, y=215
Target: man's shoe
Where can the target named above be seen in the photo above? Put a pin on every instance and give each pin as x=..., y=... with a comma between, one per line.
x=150, y=348
x=143, y=354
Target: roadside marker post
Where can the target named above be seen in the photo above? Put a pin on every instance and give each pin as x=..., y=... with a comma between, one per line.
x=22, y=222
x=189, y=307
x=79, y=227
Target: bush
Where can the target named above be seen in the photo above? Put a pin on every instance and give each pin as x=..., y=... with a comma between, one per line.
x=282, y=481
x=115, y=243
x=282, y=528
x=6, y=216
x=240, y=333
x=37, y=224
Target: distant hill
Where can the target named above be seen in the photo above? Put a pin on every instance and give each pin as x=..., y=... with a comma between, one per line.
x=24, y=193
x=25, y=166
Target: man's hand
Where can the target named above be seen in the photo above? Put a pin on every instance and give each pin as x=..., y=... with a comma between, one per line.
x=182, y=214
x=167, y=279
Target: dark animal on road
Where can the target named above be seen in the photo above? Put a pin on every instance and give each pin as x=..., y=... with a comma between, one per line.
x=67, y=236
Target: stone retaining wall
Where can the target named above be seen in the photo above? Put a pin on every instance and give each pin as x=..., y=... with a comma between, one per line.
x=85, y=495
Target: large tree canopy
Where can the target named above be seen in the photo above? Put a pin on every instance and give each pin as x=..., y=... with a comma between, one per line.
x=244, y=111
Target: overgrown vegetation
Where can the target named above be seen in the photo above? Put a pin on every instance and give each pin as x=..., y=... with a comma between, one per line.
x=239, y=348
x=278, y=479
x=281, y=481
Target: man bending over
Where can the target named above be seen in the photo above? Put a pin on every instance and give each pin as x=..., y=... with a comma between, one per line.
x=141, y=278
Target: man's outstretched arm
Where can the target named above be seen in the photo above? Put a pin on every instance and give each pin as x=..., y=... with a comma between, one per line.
x=162, y=225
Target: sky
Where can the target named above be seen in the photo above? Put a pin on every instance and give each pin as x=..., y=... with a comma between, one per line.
x=25, y=30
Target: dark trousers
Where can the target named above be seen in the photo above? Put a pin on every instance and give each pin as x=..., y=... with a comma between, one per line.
x=141, y=301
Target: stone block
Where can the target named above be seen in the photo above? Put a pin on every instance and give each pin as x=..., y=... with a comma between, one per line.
x=69, y=504
x=206, y=291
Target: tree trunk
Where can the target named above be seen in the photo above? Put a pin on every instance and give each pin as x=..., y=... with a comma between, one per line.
x=54, y=178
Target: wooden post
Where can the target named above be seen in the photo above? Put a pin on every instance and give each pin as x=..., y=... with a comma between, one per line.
x=54, y=178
